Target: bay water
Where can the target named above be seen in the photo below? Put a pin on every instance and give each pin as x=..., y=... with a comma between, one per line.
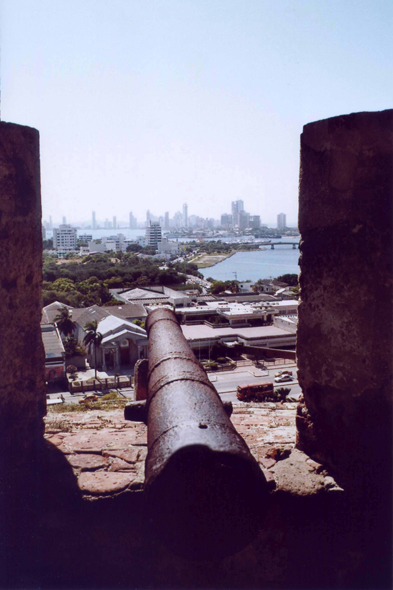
x=258, y=264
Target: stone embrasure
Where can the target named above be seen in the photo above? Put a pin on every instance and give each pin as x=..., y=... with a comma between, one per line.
x=22, y=395
x=107, y=453
x=344, y=337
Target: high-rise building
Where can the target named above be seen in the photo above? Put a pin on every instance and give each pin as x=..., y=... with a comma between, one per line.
x=178, y=219
x=114, y=223
x=50, y=222
x=255, y=222
x=166, y=222
x=281, y=221
x=148, y=218
x=133, y=221
x=153, y=234
x=237, y=207
x=65, y=238
x=64, y=222
x=94, y=222
x=185, y=215
x=244, y=219
x=226, y=221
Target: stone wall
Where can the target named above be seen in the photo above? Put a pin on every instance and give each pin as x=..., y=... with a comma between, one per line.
x=344, y=342
x=22, y=396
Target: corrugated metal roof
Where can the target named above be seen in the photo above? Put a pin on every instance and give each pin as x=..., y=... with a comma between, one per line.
x=52, y=343
x=129, y=310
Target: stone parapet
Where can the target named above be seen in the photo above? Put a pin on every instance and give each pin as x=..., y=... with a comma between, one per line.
x=22, y=395
x=344, y=338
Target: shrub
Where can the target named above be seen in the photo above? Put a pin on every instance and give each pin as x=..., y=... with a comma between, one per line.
x=111, y=396
x=281, y=393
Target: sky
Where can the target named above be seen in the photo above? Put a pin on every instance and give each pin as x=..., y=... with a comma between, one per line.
x=149, y=104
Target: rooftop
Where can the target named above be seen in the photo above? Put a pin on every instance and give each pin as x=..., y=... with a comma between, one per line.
x=203, y=332
x=52, y=343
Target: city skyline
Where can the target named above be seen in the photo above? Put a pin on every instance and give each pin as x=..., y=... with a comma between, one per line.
x=237, y=218
x=157, y=104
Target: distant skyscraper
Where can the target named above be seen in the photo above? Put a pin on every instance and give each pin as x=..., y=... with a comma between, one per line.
x=178, y=219
x=237, y=208
x=64, y=221
x=244, y=220
x=255, y=221
x=50, y=222
x=114, y=224
x=94, y=222
x=281, y=221
x=166, y=222
x=185, y=215
x=226, y=221
x=133, y=221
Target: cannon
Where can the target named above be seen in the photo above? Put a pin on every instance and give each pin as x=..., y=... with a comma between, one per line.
x=205, y=492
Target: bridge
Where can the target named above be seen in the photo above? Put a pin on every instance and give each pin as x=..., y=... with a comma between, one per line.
x=293, y=244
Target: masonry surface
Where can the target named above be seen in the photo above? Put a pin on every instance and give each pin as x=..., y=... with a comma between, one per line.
x=22, y=397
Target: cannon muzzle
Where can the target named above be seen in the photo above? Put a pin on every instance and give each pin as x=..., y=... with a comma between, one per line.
x=205, y=491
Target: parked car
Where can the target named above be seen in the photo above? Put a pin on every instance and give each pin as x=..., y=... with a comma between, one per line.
x=283, y=372
x=283, y=378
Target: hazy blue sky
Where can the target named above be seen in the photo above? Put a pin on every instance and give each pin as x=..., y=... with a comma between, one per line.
x=152, y=103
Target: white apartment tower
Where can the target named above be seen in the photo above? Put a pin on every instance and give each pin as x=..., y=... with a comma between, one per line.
x=133, y=222
x=65, y=238
x=153, y=234
x=93, y=220
x=237, y=208
x=185, y=215
x=281, y=221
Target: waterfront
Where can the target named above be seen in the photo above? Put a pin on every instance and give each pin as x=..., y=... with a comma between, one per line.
x=254, y=265
x=258, y=264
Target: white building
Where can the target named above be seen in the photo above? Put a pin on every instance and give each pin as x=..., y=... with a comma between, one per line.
x=111, y=243
x=64, y=239
x=167, y=247
x=153, y=234
x=281, y=221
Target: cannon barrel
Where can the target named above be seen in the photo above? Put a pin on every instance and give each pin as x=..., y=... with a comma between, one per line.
x=204, y=489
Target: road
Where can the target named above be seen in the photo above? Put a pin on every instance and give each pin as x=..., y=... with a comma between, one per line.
x=225, y=384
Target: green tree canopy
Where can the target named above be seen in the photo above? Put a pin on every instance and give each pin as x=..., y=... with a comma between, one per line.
x=64, y=321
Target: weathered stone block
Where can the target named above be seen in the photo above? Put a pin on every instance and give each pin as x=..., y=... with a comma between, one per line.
x=22, y=395
x=344, y=341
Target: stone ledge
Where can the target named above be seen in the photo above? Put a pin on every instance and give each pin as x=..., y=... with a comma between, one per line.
x=107, y=453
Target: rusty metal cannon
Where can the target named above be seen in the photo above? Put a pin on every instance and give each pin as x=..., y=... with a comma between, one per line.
x=204, y=489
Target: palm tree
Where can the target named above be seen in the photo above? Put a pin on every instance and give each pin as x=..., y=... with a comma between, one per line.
x=92, y=338
x=64, y=321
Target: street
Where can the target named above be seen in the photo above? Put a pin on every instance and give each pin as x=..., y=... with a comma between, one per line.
x=226, y=383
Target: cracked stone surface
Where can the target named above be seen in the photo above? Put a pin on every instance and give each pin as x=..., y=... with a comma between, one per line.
x=107, y=453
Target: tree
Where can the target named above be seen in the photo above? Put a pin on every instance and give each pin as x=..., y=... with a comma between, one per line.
x=64, y=322
x=47, y=244
x=92, y=338
x=290, y=279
